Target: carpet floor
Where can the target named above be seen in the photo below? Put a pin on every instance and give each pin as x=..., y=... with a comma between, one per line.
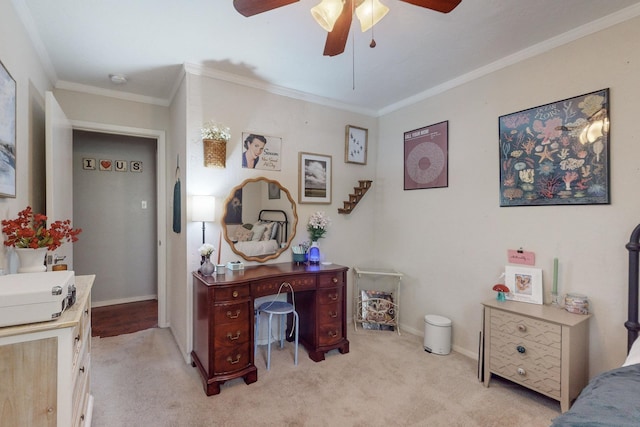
x=140, y=379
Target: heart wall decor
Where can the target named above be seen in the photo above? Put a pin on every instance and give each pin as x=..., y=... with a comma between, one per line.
x=110, y=165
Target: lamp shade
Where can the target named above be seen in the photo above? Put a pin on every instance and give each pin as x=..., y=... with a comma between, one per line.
x=370, y=12
x=203, y=208
x=326, y=13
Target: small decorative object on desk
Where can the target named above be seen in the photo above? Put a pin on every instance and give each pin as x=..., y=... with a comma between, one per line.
x=30, y=236
x=299, y=254
x=317, y=228
x=576, y=303
x=501, y=290
x=220, y=269
x=206, y=269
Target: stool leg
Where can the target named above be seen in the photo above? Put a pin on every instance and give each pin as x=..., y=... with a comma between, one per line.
x=283, y=331
x=269, y=343
x=295, y=315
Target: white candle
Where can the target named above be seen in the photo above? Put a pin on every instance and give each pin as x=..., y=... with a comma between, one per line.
x=555, y=276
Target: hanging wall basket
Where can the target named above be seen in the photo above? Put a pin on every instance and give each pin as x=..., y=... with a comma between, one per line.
x=215, y=153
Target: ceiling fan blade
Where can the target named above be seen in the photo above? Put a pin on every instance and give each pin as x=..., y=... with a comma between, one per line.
x=254, y=7
x=444, y=6
x=337, y=39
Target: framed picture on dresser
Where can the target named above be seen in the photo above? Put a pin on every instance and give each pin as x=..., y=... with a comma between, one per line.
x=524, y=283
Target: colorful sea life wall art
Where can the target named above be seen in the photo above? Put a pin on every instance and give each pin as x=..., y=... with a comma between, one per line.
x=556, y=154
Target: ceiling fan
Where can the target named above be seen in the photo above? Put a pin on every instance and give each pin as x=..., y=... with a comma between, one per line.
x=338, y=28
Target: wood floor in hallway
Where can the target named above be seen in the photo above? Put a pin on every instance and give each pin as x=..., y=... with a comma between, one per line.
x=112, y=320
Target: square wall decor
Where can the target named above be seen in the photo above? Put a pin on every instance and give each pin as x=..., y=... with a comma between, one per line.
x=556, y=154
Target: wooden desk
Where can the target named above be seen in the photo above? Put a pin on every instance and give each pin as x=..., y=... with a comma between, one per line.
x=223, y=316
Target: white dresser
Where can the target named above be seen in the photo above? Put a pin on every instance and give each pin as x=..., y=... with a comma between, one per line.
x=46, y=368
x=540, y=347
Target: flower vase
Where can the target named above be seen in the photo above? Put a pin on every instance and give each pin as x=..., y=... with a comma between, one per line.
x=313, y=254
x=206, y=269
x=31, y=260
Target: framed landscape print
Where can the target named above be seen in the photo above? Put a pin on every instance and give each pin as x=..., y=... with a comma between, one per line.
x=556, y=154
x=426, y=157
x=314, y=176
x=7, y=134
x=355, y=145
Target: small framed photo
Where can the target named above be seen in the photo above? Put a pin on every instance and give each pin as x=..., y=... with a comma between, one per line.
x=355, y=145
x=314, y=178
x=524, y=283
x=274, y=191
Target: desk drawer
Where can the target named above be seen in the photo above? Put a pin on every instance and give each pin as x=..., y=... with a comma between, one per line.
x=239, y=314
x=231, y=359
x=330, y=296
x=231, y=334
x=271, y=286
x=231, y=293
x=330, y=333
x=331, y=279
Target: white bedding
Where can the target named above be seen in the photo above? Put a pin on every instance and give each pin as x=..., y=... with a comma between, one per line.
x=262, y=247
x=634, y=354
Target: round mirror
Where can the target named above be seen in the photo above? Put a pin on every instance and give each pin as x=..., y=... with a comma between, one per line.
x=259, y=219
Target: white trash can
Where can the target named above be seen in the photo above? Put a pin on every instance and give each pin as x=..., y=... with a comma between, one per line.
x=437, y=334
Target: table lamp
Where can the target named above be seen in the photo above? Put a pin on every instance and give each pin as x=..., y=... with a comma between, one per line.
x=203, y=209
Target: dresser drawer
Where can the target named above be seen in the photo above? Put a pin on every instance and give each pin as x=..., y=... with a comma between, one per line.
x=330, y=296
x=231, y=293
x=231, y=359
x=329, y=280
x=232, y=313
x=330, y=314
x=524, y=327
x=81, y=387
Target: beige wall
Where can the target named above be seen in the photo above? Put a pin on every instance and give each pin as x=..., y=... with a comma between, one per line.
x=451, y=243
x=20, y=59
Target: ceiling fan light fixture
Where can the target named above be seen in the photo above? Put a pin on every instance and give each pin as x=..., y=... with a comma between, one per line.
x=327, y=12
x=370, y=12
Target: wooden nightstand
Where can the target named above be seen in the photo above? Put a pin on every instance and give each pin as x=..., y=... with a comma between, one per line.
x=540, y=347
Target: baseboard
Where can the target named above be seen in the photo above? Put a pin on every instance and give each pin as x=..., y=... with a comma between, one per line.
x=123, y=300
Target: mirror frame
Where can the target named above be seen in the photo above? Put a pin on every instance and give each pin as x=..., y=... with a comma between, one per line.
x=293, y=221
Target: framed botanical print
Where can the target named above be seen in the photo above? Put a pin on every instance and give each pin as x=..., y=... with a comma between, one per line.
x=7, y=133
x=355, y=145
x=557, y=153
x=314, y=178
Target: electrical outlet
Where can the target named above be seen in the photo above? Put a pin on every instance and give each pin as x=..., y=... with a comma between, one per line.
x=144, y=204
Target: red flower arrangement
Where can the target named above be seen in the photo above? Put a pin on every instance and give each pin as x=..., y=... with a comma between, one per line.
x=30, y=230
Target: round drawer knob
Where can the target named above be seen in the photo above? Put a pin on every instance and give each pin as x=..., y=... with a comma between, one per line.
x=521, y=349
x=334, y=280
x=522, y=372
x=522, y=328
x=235, y=294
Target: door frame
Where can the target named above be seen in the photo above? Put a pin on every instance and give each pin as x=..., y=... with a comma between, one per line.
x=161, y=185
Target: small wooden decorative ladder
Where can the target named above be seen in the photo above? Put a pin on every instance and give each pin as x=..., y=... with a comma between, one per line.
x=359, y=192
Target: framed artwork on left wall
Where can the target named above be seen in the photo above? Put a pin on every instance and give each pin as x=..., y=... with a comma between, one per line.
x=7, y=133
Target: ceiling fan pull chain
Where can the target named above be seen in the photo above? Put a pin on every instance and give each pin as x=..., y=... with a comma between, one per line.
x=373, y=41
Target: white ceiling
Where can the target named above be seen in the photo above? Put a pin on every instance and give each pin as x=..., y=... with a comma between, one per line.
x=418, y=51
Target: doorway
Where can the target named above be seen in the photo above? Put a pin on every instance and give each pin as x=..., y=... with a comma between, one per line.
x=115, y=203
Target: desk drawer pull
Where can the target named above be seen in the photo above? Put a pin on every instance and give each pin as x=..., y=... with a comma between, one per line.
x=522, y=328
x=332, y=334
x=232, y=337
x=233, y=362
x=333, y=297
x=230, y=315
x=333, y=314
x=235, y=294
x=334, y=279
